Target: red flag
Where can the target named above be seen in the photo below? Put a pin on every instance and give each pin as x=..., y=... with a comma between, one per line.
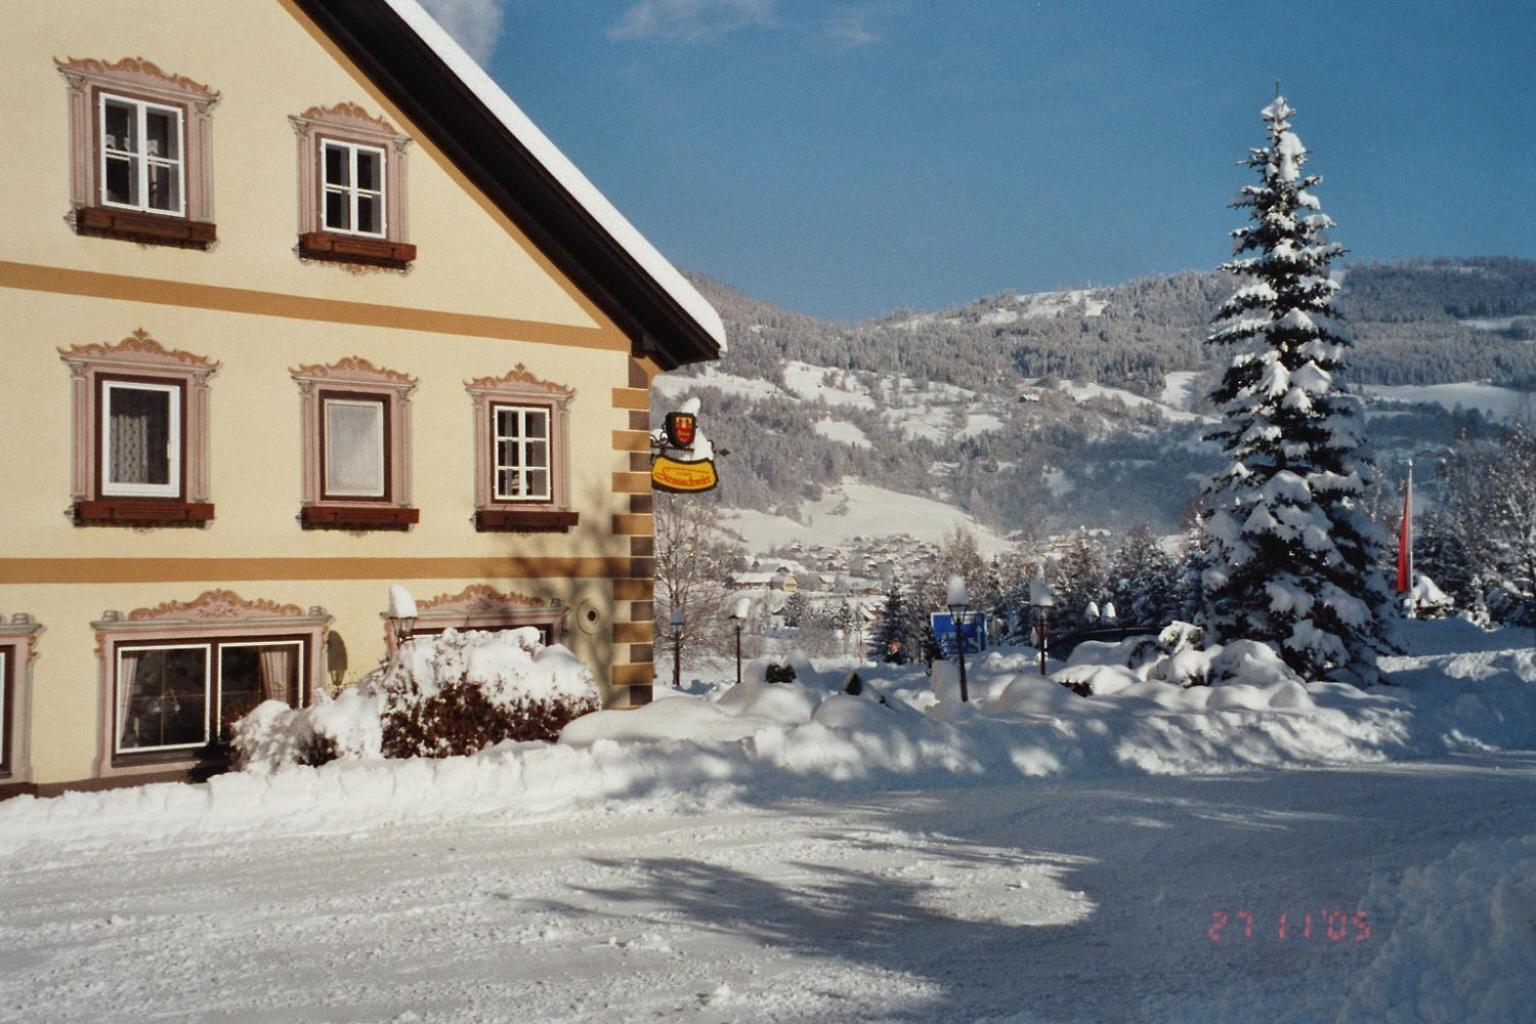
x=1405, y=539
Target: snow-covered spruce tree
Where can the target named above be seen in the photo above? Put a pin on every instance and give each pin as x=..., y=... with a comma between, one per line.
x=1292, y=554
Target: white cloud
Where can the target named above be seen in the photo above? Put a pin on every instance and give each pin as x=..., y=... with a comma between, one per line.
x=692, y=21
x=849, y=29
x=474, y=24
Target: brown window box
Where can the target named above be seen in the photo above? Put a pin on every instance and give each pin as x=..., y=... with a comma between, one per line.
x=379, y=252
x=491, y=520
x=141, y=512
x=349, y=517
x=151, y=228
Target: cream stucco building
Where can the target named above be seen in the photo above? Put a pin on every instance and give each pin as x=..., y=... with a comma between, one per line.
x=296, y=304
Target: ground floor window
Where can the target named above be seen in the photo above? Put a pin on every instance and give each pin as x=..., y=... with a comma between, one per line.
x=5, y=707
x=546, y=629
x=186, y=694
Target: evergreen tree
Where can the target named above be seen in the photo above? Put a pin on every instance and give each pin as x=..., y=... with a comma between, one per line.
x=1079, y=577
x=1292, y=553
x=890, y=641
x=1144, y=581
x=794, y=610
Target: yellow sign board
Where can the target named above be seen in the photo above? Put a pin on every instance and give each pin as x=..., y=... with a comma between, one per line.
x=683, y=477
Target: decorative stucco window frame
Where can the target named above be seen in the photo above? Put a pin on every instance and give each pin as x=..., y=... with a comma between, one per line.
x=18, y=650
x=212, y=616
x=355, y=376
x=350, y=123
x=141, y=357
x=482, y=606
x=136, y=79
x=518, y=387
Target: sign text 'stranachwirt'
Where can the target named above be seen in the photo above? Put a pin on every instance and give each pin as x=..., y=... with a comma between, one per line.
x=683, y=477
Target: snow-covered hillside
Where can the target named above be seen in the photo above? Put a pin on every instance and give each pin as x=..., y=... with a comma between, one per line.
x=1051, y=410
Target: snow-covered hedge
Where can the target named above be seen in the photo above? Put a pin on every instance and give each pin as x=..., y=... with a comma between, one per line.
x=447, y=695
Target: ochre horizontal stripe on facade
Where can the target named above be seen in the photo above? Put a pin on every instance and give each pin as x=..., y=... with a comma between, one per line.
x=633, y=590
x=631, y=441
x=631, y=483
x=622, y=675
x=633, y=632
x=628, y=524
x=631, y=398
x=219, y=570
x=64, y=281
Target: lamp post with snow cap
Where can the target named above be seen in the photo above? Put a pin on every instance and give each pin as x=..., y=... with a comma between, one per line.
x=1041, y=600
x=402, y=614
x=959, y=600
x=402, y=623
x=677, y=648
x=738, y=619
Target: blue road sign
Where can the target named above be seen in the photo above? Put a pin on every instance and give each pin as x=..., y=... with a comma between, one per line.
x=973, y=628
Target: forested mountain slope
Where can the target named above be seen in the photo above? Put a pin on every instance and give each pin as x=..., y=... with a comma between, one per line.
x=1050, y=410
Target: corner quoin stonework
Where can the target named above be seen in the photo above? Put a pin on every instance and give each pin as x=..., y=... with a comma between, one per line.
x=633, y=609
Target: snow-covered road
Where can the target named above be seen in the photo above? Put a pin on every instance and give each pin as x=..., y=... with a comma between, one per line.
x=1042, y=901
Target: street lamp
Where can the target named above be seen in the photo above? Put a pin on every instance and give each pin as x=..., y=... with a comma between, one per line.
x=959, y=600
x=402, y=614
x=738, y=619
x=1041, y=601
x=677, y=648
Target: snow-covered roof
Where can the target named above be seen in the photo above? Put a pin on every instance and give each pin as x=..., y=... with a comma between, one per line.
x=499, y=104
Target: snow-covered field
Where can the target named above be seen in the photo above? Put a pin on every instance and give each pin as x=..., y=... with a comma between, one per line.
x=855, y=509
x=807, y=857
x=1497, y=403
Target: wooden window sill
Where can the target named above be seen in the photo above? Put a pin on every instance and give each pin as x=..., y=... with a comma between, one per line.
x=351, y=517
x=339, y=248
x=522, y=520
x=148, y=228
x=142, y=512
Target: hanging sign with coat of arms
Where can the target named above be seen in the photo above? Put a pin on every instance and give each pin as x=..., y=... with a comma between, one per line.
x=682, y=458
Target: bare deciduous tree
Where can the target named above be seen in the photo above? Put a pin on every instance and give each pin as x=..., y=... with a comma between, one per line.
x=695, y=560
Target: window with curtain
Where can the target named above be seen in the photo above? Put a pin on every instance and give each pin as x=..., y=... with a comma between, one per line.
x=181, y=695
x=356, y=461
x=250, y=673
x=162, y=697
x=140, y=426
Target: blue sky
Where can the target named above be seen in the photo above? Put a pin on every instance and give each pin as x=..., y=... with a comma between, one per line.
x=844, y=159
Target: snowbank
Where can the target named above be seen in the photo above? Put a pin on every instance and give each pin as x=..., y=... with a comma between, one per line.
x=1462, y=941
x=1127, y=711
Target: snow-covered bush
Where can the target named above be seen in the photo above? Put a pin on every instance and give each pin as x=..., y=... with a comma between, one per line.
x=461, y=692
x=273, y=735
x=1174, y=657
x=446, y=695
x=1426, y=600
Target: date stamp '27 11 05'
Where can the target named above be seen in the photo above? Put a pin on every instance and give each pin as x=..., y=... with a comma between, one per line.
x=1326, y=925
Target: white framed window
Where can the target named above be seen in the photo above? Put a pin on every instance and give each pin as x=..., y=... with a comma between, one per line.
x=355, y=446
x=143, y=164
x=252, y=671
x=355, y=422
x=521, y=445
x=352, y=182
x=5, y=704
x=182, y=696
x=162, y=697
x=140, y=426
